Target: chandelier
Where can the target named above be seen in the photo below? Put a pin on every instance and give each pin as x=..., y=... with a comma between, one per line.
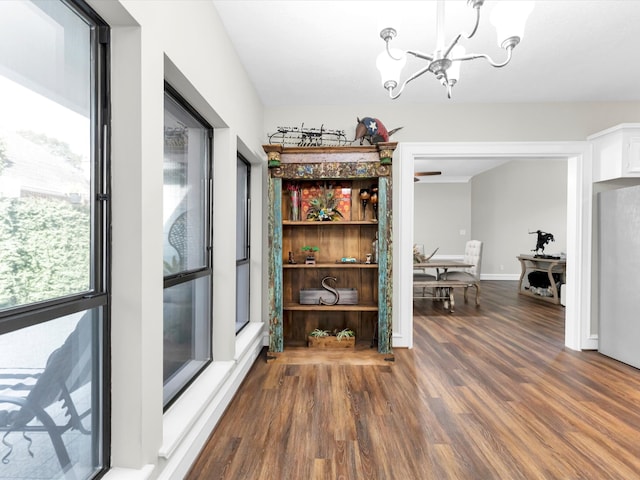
x=509, y=18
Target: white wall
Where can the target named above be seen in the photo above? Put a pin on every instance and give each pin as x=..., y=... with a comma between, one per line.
x=441, y=212
x=512, y=200
x=182, y=42
x=452, y=122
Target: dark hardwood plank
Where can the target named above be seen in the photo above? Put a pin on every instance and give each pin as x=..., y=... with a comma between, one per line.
x=488, y=392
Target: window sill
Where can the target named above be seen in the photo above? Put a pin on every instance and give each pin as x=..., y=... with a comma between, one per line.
x=199, y=408
x=129, y=474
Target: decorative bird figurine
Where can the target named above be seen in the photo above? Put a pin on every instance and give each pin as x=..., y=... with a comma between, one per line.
x=373, y=131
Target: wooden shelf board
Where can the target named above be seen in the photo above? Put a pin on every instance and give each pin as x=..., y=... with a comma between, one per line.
x=297, y=353
x=330, y=265
x=328, y=308
x=309, y=223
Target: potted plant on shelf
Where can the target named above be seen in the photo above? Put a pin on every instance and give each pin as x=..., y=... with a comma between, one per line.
x=310, y=252
x=324, y=208
x=345, y=334
x=318, y=333
x=345, y=338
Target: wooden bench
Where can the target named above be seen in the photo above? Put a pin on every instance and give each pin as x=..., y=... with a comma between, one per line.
x=443, y=290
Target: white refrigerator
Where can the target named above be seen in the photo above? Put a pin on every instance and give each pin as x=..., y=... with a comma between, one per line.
x=619, y=274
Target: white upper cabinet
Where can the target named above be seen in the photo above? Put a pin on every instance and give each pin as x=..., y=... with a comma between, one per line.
x=616, y=152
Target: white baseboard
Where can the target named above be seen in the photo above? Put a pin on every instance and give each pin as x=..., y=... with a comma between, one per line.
x=500, y=276
x=590, y=343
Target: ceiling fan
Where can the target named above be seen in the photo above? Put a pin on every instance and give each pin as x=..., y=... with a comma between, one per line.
x=424, y=174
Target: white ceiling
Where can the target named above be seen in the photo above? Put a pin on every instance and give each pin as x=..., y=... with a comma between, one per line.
x=308, y=52
x=455, y=170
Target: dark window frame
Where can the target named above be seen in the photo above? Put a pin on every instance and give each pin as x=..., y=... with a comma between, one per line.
x=98, y=295
x=247, y=240
x=206, y=270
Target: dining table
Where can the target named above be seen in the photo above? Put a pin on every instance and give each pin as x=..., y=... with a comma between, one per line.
x=442, y=264
x=443, y=289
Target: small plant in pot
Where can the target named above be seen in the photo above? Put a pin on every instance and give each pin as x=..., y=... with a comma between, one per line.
x=345, y=338
x=344, y=333
x=310, y=252
x=319, y=333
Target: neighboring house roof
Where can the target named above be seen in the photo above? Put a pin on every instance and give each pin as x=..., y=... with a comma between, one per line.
x=33, y=169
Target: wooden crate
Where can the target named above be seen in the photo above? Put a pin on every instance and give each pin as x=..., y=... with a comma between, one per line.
x=331, y=342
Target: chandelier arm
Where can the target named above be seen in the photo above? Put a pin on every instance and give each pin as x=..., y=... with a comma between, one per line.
x=457, y=38
x=421, y=55
x=404, y=84
x=473, y=56
x=452, y=44
x=389, y=51
x=475, y=28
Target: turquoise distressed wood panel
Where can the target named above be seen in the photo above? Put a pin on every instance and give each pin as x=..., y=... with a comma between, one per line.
x=276, y=341
x=385, y=264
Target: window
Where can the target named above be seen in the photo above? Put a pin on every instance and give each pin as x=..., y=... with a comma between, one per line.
x=242, y=244
x=53, y=252
x=187, y=244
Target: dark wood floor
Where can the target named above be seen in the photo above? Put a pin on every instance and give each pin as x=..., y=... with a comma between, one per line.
x=488, y=392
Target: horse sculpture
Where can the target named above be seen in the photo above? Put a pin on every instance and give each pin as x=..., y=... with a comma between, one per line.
x=543, y=239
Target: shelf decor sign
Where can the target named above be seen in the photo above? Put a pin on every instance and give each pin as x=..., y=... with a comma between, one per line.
x=328, y=295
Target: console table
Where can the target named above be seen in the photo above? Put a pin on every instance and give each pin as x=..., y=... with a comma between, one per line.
x=541, y=264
